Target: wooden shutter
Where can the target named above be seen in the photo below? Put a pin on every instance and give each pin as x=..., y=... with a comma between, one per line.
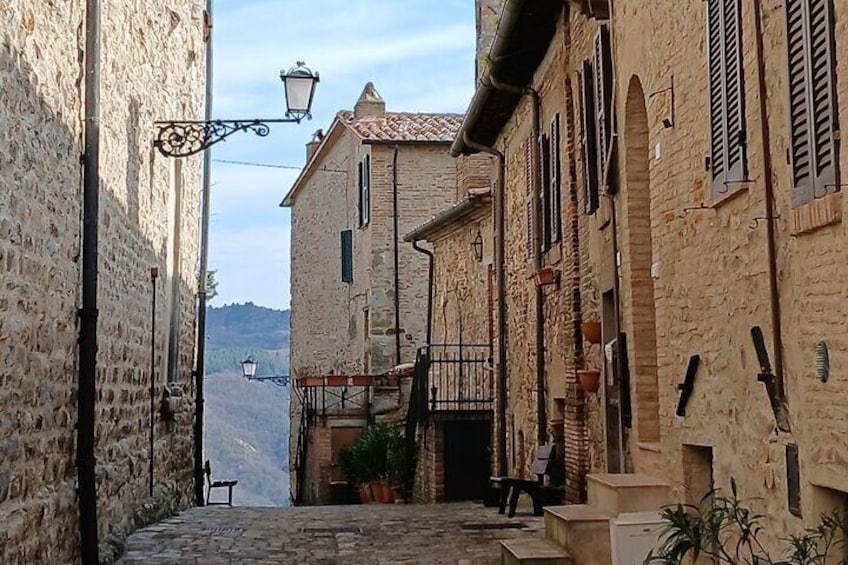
x=555, y=205
x=528, y=180
x=726, y=92
x=812, y=99
x=347, y=255
x=545, y=191
x=603, y=97
x=365, y=190
x=588, y=140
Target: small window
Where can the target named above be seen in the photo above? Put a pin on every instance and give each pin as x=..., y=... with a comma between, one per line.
x=347, y=256
x=812, y=99
x=602, y=68
x=588, y=141
x=726, y=95
x=545, y=190
x=365, y=191
x=555, y=205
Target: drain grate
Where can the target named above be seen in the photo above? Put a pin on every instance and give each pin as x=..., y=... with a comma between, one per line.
x=496, y=526
x=340, y=530
x=226, y=531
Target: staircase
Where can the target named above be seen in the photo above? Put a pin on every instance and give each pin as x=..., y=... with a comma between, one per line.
x=579, y=534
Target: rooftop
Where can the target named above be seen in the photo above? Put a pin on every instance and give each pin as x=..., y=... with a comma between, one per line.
x=404, y=127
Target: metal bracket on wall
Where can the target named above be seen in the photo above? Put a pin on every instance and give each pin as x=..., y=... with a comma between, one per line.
x=688, y=385
x=767, y=377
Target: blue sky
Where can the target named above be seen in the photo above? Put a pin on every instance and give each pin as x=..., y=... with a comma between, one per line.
x=418, y=53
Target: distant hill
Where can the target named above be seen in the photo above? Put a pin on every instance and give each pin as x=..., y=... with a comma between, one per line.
x=247, y=423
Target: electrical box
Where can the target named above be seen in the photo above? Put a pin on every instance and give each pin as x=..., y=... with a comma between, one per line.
x=633, y=536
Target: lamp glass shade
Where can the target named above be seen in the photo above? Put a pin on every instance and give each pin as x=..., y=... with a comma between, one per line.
x=477, y=247
x=299, y=83
x=248, y=368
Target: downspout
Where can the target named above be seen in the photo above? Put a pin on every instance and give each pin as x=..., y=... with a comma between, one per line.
x=201, y=280
x=396, y=251
x=500, y=275
x=774, y=294
x=429, y=255
x=89, y=551
x=154, y=274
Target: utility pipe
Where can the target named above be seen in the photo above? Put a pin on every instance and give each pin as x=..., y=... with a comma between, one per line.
x=154, y=274
x=768, y=181
x=201, y=279
x=86, y=396
x=429, y=255
x=500, y=275
x=395, y=237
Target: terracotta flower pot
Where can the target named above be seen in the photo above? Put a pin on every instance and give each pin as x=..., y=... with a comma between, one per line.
x=591, y=331
x=385, y=489
x=590, y=380
x=398, y=492
x=365, y=495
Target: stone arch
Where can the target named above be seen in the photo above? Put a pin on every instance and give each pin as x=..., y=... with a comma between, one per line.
x=643, y=331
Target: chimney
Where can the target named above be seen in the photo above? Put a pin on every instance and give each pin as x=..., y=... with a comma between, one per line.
x=312, y=146
x=370, y=104
x=488, y=17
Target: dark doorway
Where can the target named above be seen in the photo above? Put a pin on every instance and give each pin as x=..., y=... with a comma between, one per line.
x=467, y=459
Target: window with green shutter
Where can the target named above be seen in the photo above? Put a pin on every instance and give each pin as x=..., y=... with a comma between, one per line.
x=347, y=255
x=726, y=95
x=812, y=99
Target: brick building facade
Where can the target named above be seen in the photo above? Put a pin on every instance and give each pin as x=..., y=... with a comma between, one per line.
x=696, y=197
x=148, y=218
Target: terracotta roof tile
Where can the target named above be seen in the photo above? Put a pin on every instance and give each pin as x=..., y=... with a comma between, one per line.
x=404, y=126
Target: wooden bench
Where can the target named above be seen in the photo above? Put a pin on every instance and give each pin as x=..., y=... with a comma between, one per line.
x=210, y=484
x=511, y=487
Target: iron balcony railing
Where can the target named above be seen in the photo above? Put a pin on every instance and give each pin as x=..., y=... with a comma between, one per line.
x=458, y=378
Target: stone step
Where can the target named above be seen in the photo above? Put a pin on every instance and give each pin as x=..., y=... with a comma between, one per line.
x=532, y=552
x=627, y=492
x=583, y=531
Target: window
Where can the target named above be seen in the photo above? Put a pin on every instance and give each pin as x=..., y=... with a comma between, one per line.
x=347, y=256
x=603, y=98
x=545, y=190
x=727, y=97
x=812, y=99
x=365, y=191
x=555, y=205
x=588, y=140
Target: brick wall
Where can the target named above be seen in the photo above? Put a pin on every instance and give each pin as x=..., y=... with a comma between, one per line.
x=41, y=101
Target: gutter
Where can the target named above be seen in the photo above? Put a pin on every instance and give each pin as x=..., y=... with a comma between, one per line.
x=395, y=242
x=509, y=18
x=448, y=216
x=86, y=395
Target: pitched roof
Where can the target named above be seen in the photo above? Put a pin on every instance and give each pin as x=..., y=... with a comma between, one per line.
x=476, y=204
x=403, y=127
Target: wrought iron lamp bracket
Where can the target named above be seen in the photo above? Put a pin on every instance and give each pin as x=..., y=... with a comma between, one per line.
x=279, y=380
x=186, y=138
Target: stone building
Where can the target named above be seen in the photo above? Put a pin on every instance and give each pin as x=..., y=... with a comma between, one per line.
x=148, y=220
x=359, y=294
x=699, y=206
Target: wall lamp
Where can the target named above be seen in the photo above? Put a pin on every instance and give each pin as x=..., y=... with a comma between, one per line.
x=176, y=138
x=248, y=371
x=477, y=247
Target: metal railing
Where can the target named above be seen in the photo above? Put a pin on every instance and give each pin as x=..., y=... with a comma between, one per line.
x=459, y=378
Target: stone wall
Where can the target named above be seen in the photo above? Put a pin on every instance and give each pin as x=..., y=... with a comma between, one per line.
x=148, y=218
x=710, y=265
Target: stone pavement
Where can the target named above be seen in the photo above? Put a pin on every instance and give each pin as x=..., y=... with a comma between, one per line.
x=378, y=534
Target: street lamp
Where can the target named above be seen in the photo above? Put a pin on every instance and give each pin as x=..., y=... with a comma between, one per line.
x=248, y=371
x=177, y=138
x=477, y=247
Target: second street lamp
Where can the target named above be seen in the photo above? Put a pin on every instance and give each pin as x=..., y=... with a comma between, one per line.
x=248, y=371
x=175, y=138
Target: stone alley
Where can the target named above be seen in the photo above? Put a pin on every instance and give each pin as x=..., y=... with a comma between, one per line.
x=460, y=534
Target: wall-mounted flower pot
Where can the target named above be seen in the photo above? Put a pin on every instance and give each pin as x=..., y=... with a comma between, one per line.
x=546, y=276
x=589, y=379
x=591, y=331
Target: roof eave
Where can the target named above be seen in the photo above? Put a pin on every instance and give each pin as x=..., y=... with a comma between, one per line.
x=462, y=210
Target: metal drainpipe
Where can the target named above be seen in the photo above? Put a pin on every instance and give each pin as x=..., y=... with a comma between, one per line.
x=201, y=281
x=500, y=275
x=395, y=230
x=541, y=415
x=429, y=255
x=774, y=294
x=86, y=396
x=154, y=274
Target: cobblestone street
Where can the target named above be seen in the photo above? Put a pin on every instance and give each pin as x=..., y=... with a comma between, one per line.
x=459, y=534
